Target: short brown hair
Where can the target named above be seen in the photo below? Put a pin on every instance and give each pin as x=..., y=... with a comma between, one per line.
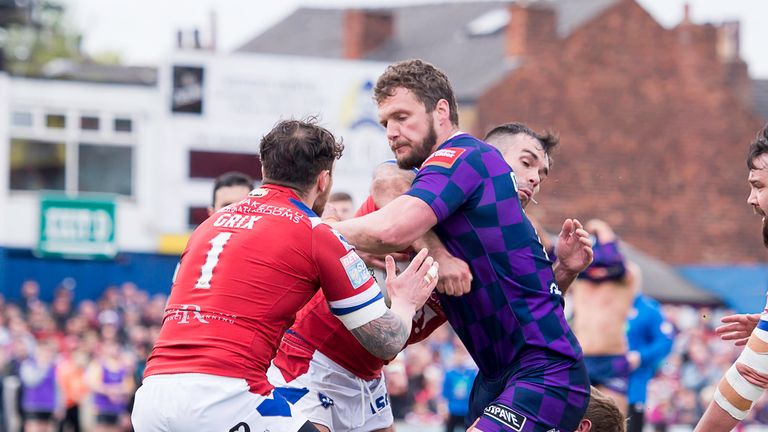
x=428, y=83
x=294, y=152
x=548, y=140
x=604, y=414
x=758, y=147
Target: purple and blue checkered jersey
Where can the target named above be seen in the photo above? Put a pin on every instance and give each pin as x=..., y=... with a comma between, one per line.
x=513, y=313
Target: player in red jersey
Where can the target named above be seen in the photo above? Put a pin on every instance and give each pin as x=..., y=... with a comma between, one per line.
x=245, y=273
x=346, y=387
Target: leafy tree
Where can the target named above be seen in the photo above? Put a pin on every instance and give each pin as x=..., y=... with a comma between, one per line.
x=37, y=35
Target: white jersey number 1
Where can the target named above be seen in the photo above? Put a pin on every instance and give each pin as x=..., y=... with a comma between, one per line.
x=206, y=272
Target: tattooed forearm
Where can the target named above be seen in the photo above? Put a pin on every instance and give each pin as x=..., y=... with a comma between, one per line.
x=383, y=337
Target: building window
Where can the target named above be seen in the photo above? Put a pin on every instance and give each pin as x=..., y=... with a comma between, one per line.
x=56, y=121
x=105, y=168
x=89, y=123
x=37, y=165
x=206, y=164
x=123, y=125
x=21, y=118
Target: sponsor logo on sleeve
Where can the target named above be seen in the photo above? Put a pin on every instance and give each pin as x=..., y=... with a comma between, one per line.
x=356, y=270
x=505, y=416
x=444, y=157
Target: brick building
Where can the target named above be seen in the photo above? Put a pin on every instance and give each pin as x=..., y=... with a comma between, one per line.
x=654, y=122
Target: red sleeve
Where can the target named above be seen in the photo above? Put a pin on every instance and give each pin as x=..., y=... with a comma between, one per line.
x=369, y=206
x=352, y=293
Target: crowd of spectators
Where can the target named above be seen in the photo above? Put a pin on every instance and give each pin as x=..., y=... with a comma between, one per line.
x=68, y=365
x=93, y=353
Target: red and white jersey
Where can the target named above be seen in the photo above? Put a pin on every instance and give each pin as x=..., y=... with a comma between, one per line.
x=245, y=273
x=317, y=326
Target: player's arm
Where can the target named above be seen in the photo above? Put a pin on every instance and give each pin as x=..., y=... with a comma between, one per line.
x=385, y=337
x=716, y=419
x=742, y=385
x=441, y=188
x=391, y=228
x=356, y=300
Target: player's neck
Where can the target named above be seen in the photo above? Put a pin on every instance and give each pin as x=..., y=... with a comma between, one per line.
x=444, y=135
x=303, y=195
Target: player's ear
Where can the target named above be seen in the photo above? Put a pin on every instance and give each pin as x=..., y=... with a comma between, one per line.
x=443, y=111
x=584, y=426
x=324, y=180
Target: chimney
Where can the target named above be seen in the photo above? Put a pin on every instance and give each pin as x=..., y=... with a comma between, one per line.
x=532, y=28
x=728, y=35
x=196, y=38
x=213, y=17
x=686, y=13
x=366, y=30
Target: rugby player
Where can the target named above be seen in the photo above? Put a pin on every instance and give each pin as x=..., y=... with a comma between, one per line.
x=245, y=273
x=531, y=373
x=745, y=381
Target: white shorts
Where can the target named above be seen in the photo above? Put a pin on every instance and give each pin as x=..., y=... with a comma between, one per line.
x=338, y=399
x=201, y=402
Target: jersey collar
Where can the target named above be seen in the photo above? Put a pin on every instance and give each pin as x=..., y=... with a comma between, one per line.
x=450, y=139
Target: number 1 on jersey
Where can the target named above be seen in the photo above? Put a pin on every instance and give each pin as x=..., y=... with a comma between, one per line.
x=217, y=245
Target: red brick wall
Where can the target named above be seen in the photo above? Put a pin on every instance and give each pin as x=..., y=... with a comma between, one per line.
x=653, y=135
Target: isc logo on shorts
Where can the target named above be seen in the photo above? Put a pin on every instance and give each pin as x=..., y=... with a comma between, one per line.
x=506, y=416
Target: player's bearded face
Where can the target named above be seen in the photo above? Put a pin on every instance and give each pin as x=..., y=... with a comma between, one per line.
x=760, y=211
x=765, y=231
x=419, y=151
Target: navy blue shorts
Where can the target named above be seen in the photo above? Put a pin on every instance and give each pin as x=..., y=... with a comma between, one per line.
x=609, y=371
x=550, y=396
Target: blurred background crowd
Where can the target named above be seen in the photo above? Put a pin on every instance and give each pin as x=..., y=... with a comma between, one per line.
x=91, y=354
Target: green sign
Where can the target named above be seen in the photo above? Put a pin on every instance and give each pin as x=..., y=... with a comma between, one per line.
x=77, y=228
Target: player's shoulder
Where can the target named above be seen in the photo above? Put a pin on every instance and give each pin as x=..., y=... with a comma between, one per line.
x=462, y=147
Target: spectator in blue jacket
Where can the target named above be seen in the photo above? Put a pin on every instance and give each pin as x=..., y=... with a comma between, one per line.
x=650, y=338
x=457, y=385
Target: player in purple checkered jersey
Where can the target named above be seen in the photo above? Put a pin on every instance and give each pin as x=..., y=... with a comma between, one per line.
x=532, y=377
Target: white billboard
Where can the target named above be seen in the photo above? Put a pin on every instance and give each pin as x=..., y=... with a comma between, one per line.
x=228, y=102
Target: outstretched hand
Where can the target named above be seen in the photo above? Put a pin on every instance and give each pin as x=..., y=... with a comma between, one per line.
x=738, y=328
